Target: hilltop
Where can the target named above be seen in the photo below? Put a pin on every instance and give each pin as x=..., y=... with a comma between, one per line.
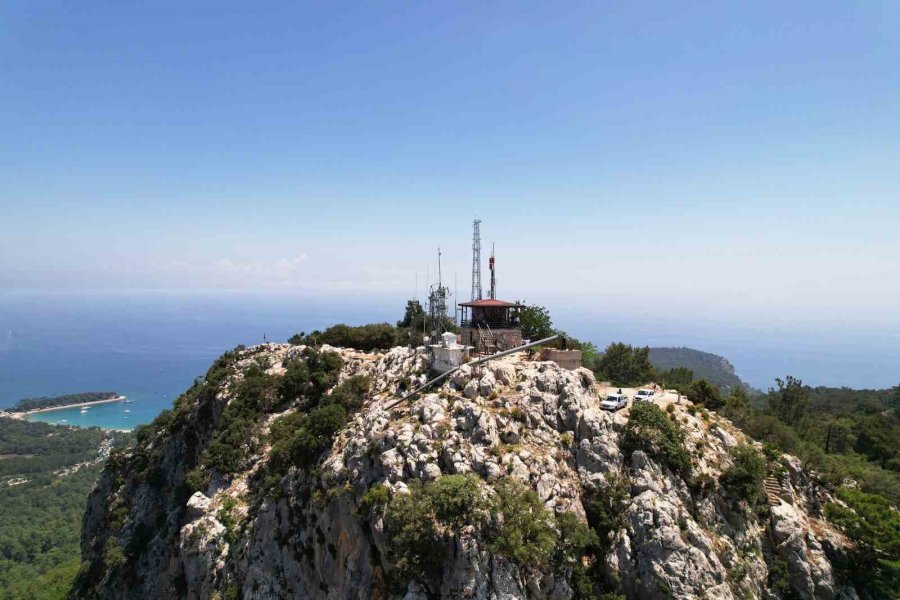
x=282, y=474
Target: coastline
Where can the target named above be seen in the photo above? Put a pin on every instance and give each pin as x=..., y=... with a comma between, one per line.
x=24, y=415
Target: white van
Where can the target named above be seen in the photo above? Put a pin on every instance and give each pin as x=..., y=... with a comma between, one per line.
x=614, y=402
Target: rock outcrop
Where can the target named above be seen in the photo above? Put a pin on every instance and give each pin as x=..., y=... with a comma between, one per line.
x=149, y=534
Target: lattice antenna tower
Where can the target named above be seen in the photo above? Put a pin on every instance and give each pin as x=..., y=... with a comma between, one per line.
x=476, y=260
x=438, y=294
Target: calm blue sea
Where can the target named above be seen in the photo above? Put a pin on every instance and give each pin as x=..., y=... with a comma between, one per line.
x=151, y=346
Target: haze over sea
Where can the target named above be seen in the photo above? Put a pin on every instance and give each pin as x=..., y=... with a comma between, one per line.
x=151, y=345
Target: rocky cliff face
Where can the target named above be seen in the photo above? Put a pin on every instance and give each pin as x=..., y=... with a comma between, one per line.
x=315, y=533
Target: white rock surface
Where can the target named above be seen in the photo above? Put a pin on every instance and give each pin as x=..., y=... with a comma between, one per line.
x=532, y=421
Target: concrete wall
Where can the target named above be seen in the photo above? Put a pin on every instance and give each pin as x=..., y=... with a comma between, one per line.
x=567, y=359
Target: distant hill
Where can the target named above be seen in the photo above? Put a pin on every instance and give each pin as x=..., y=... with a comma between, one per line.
x=705, y=365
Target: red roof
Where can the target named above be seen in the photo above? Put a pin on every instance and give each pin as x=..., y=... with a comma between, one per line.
x=489, y=303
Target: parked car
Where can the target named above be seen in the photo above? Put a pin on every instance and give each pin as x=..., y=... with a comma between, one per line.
x=644, y=395
x=614, y=402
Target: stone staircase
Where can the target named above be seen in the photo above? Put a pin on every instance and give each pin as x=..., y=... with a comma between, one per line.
x=773, y=490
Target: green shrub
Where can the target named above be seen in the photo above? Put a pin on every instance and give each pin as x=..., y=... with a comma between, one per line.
x=113, y=556
x=771, y=452
x=350, y=392
x=233, y=441
x=606, y=509
x=374, y=500
x=420, y=524
x=575, y=553
x=649, y=430
x=456, y=500
x=232, y=592
x=300, y=438
x=526, y=534
x=744, y=478
x=374, y=336
x=317, y=433
x=225, y=516
x=769, y=430
x=415, y=547
x=779, y=579
x=873, y=524
x=703, y=392
x=307, y=379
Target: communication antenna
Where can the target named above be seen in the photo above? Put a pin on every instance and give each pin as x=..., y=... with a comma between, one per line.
x=491, y=264
x=438, y=294
x=455, y=309
x=476, y=260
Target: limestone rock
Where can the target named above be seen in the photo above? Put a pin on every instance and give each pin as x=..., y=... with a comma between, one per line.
x=314, y=537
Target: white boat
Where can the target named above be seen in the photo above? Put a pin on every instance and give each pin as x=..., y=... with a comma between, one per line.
x=84, y=409
x=127, y=410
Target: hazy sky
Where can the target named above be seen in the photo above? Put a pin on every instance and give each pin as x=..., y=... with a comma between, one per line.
x=682, y=157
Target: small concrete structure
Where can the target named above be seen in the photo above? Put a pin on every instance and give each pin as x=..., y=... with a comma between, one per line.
x=567, y=359
x=448, y=354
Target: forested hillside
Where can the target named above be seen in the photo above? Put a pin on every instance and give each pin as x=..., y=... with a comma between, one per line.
x=42, y=500
x=849, y=440
x=705, y=365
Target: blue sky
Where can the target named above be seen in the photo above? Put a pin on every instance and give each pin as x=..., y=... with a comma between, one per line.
x=730, y=159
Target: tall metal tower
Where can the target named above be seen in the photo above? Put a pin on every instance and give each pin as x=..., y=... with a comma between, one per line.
x=476, y=260
x=438, y=294
x=492, y=266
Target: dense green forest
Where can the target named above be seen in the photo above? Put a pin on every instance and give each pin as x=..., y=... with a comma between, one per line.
x=41, y=511
x=27, y=404
x=35, y=447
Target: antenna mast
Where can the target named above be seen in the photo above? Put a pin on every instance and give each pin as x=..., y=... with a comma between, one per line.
x=476, y=260
x=493, y=274
x=437, y=303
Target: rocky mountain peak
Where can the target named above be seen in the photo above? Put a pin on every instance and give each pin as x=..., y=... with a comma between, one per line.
x=282, y=475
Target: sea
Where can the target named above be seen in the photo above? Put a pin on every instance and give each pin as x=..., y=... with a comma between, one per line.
x=150, y=346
